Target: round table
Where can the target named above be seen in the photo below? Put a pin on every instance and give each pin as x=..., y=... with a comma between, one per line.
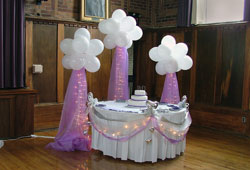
x=139, y=134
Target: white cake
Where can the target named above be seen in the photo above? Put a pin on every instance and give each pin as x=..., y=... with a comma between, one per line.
x=139, y=99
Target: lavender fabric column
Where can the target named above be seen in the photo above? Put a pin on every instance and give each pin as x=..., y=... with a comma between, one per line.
x=73, y=128
x=118, y=82
x=170, y=92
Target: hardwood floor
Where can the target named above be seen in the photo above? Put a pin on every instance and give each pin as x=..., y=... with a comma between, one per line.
x=206, y=149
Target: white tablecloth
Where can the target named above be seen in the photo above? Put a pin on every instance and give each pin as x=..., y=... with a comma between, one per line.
x=147, y=145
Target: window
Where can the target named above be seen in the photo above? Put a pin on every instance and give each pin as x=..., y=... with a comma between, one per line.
x=216, y=11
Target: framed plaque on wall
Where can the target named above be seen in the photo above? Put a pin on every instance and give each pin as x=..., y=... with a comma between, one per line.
x=94, y=10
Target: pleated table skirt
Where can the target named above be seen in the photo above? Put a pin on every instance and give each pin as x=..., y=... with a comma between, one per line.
x=145, y=146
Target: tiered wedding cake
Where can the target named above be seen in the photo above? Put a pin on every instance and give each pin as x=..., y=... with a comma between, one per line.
x=139, y=99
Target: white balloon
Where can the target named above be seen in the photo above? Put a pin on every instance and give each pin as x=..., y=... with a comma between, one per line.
x=179, y=50
x=153, y=54
x=164, y=52
x=168, y=41
x=135, y=34
x=109, y=41
x=121, y=39
x=80, y=44
x=118, y=14
x=82, y=32
x=93, y=65
x=111, y=26
x=160, y=68
x=129, y=44
x=66, y=46
x=77, y=63
x=102, y=26
x=128, y=24
x=186, y=63
x=95, y=47
x=171, y=65
x=66, y=61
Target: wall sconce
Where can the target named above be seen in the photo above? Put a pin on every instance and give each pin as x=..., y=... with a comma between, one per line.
x=39, y=2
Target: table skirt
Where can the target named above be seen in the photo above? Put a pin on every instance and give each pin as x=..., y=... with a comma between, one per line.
x=145, y=146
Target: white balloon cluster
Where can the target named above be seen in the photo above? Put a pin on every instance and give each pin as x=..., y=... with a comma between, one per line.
x=170, y=57
x=121, y=30
x=81, y=51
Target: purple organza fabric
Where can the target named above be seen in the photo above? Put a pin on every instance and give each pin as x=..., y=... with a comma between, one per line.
x=118, y=82
x=162, y=128
x=73, y=128
x=170, y=92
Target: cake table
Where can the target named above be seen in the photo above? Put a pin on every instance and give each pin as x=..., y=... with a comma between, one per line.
x=139, y=134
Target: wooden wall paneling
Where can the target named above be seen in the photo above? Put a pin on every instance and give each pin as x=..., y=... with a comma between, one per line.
x=47, y=116
x=44, y=52
x=218, y=79
x=246, y=81
x=98, y=82
x=222, y=119
x=193, y=53
x=68, y=33
x=7, y=114
x=144, y=67
x=16, y=112
x=60, y=70
x=24, y=118
x=184, y=76
x=233, y=53
x=205, y=65
x=29, y=53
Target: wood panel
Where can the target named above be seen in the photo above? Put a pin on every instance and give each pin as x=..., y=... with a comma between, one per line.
x=29, y=53
x=24, y=114
x=47, y=116
x=98, y=82
x=144, y=67
x=220, y=118
x=7, y=114
x=44, y=52
x=205, y=66
x=60, y=73
x=233, y=53
x=193, y=53
x=183, y=76
x=16, y=112
x=246, y=81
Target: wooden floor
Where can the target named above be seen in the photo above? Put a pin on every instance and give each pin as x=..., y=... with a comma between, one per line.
x=206, y=149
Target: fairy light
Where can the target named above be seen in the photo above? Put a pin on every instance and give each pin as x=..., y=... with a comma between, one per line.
x=135, y=126
x=126, y=126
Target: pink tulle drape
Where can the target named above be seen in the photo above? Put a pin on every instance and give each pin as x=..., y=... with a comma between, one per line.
x=170, y=92
x=118, y=82
x=73, y=128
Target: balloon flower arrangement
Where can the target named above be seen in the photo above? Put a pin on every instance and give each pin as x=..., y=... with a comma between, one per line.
x=170, y=58
x=121, y=31
x=80, y=53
